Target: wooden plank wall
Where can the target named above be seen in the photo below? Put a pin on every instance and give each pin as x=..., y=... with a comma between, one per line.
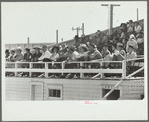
x=74, y=89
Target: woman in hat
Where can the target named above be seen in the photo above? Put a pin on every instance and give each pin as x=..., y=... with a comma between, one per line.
x=55, y=51
x=36, y=55
x=27, y=55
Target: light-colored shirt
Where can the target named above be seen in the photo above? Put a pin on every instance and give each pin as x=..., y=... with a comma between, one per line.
x=45, y=54
x=132, y=42
x=73, y=56
x=19, y=57
x=54, y=56
x=131, y=55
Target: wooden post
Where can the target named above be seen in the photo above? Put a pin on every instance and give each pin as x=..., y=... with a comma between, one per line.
x=46, y=67
x=137, y=15
x=62, y=66
x=30, y=66
x=83, y=29
x=16, y=66
x=102, y=74
x=28, y=42
x=124, y=69
x=56, y=36
x=81, y=74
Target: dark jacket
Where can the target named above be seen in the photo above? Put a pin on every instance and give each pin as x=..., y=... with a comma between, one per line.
x=27, y=57
x=36, y=56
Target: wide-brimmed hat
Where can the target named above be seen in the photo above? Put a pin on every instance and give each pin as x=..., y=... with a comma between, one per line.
x=57, y=47
x=27, y=49
x=120, y=44
x=38, y=48
x=83, y=46
x=18, y=48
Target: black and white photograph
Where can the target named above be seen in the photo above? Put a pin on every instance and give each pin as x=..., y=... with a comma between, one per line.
x=74, y=60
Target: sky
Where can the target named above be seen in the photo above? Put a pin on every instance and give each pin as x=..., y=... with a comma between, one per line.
x=40, y=20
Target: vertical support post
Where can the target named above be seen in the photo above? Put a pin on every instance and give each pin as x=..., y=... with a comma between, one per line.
x=28, y=42
x=30, y=66
x=62, y=67
x=137, y=15
x=56, y=36
x=82, y=29
x=46, y=67
x=102, y=74
x=16, y=66
x=81, y=74
x=110, y=19
x=124, y=69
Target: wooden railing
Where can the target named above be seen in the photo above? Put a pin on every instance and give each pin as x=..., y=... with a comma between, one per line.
x=16, y=67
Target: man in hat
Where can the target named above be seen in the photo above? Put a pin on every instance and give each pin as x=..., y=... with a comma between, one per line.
x=12, y=55
x=45, y=57
x=130, y=28
x=36, y=55
x=137, y=28
x=27, y=55
x=19, y=55
x=132, y=41
x=131, y=54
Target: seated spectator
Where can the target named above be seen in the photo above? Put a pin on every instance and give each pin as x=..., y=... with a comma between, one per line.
x=121, y=51
x=123, y=27
x=132, y=41
x=94, y=53
x=7, y=54
x=55, y=51
x=106, y=55
x=83, y=53
x=27, y=55
x=36, y=55
x=140, y=38
x=19, y=55
x=131, y=55
x=130, y=28
x=137, y=28
x=12, y=55
x=45, y=57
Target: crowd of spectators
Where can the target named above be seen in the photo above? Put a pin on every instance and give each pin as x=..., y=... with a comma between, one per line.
x=125, y=43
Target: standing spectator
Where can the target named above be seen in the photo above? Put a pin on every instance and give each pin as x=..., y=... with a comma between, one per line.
x=132, y=41
x=130, y=28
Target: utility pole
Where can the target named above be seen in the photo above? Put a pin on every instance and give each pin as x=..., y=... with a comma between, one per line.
x=28, y=42
x=78, y=29
x=137, y=15
x=56, y=36
x=110, y=16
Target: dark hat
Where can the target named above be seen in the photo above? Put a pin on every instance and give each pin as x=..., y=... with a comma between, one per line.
x=27, y=49
x=130, y=21
x=131, y=46
x=38, y=48
x=7, y=51
x=57, y=47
